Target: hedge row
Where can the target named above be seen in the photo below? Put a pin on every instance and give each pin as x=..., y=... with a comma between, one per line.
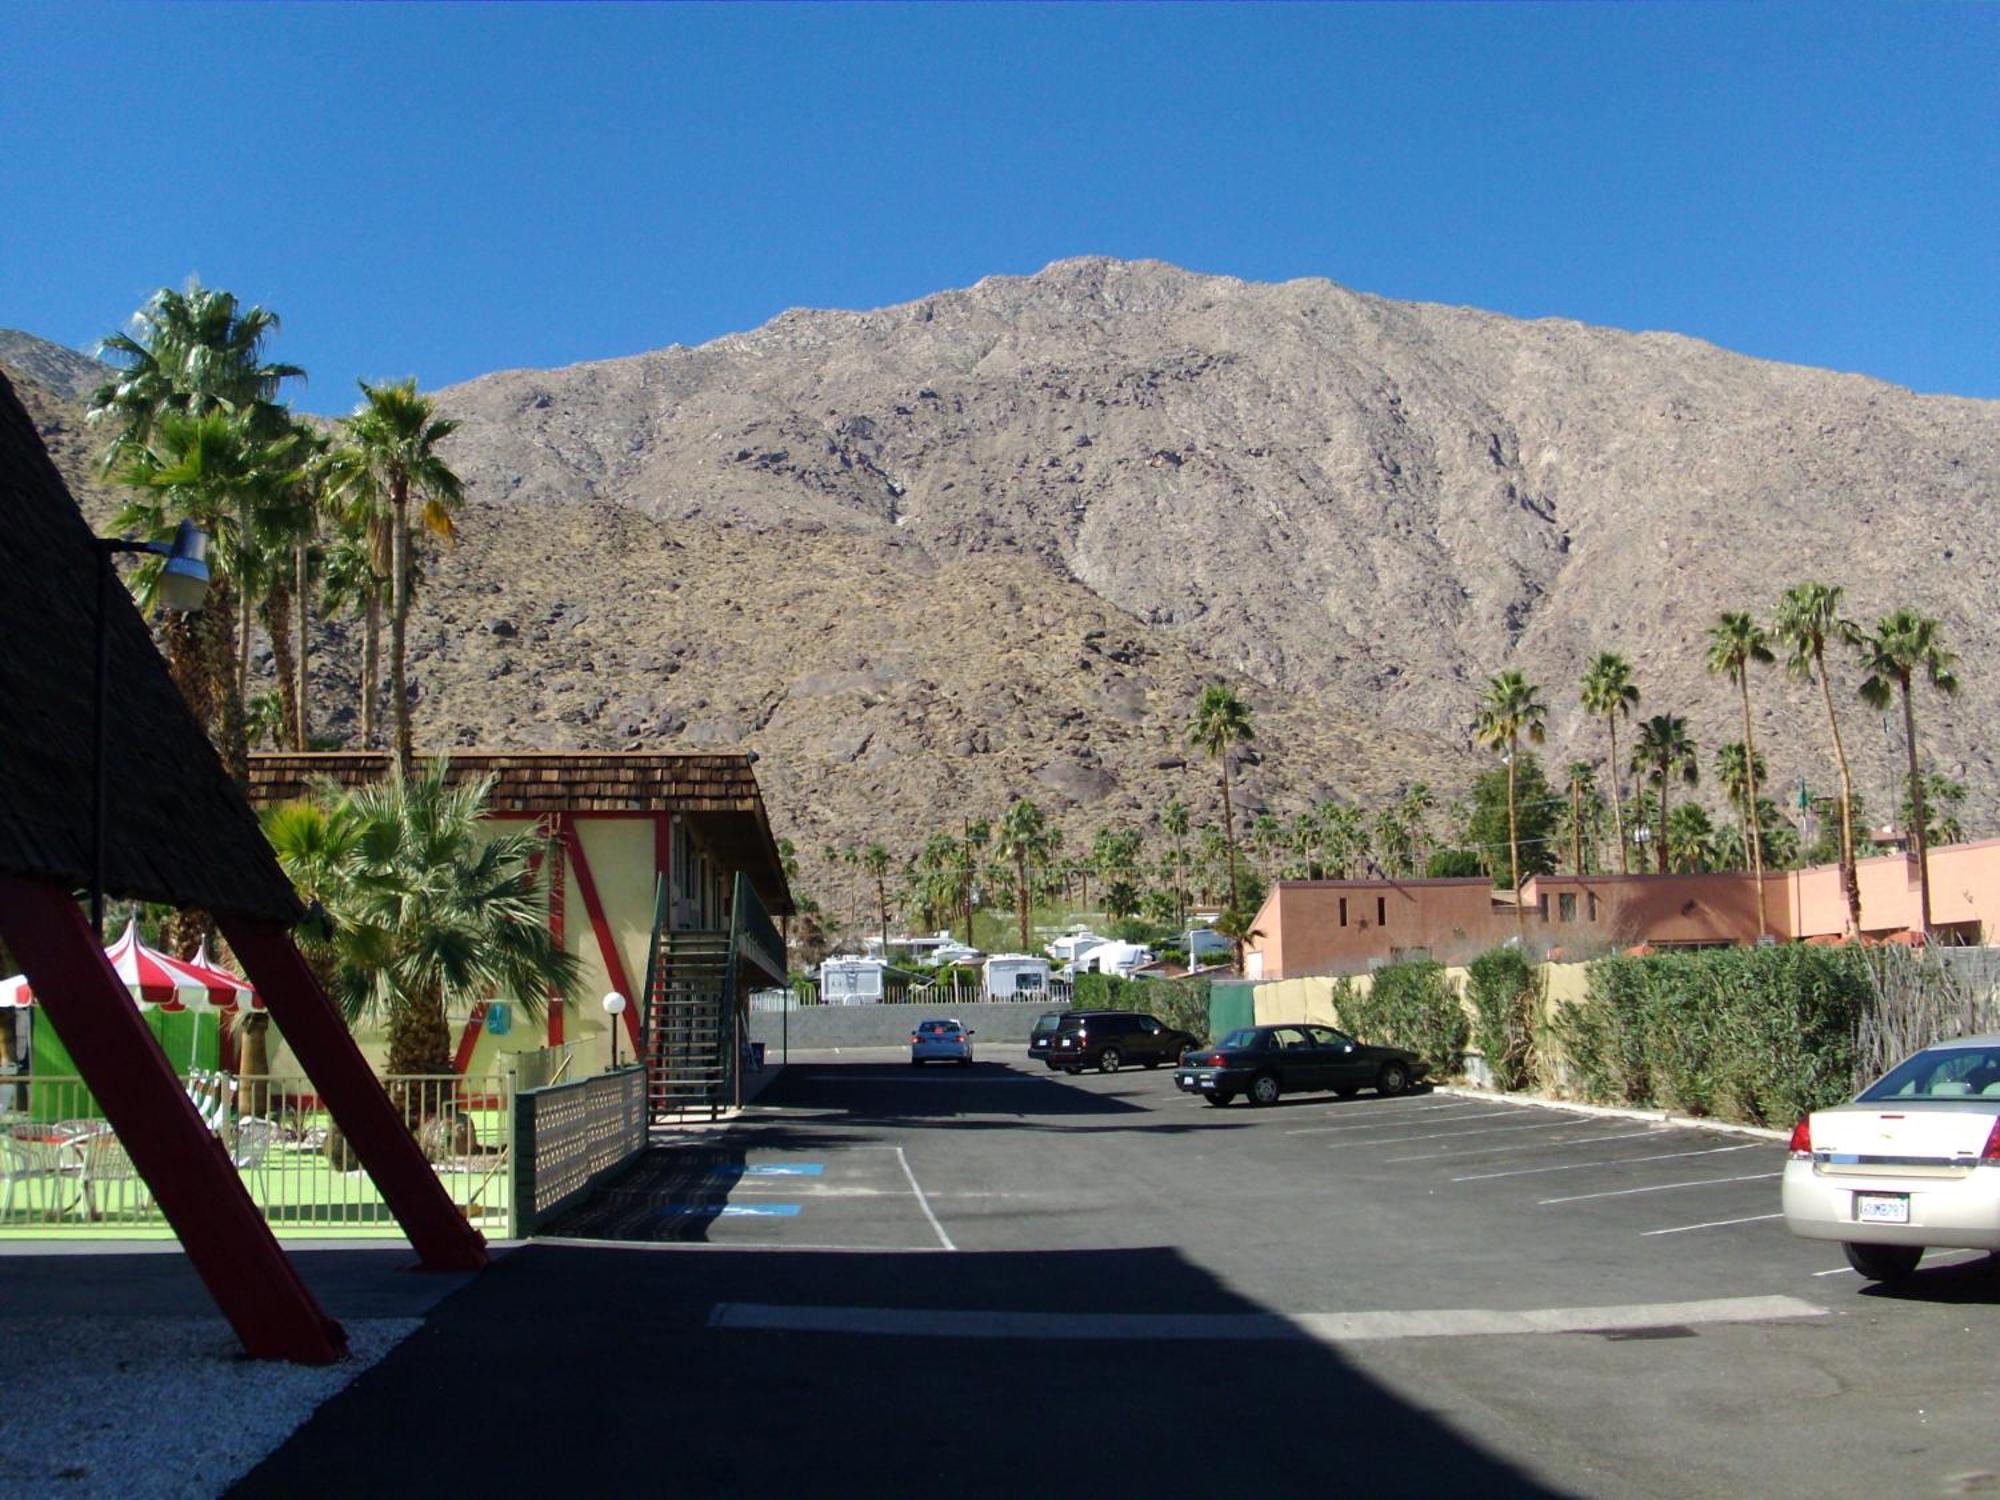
x=1409, y=1005
x=1759, y=1034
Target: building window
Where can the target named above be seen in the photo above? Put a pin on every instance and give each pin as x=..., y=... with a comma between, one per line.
x=1343, y=911
x=1592, y=908
x=1542, y=905
x=1381, y=911
x=1566, y=906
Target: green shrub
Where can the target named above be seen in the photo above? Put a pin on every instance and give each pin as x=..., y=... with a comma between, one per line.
x=1758, y=1034
x=1409, y=1005
x=1504, y=988
x=1180, y=1003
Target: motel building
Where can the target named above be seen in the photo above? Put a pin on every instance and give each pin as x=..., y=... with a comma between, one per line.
x=1334, y=927
x=664, y=881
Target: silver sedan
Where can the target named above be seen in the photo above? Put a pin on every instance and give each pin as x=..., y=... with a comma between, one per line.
x=1913, y=1163
x=942, y=1039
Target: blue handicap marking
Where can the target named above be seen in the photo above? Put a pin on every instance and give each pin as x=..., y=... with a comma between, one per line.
x=789, y=1169
x=727, y=1211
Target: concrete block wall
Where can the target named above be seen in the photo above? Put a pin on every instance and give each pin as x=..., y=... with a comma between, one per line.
x=814, y=1027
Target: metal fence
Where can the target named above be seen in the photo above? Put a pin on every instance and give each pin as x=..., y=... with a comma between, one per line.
x=63, y=1170
x=958, y=990
x=569, y=1138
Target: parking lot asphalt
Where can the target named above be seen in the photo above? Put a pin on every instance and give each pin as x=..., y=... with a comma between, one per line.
x=887, y=1279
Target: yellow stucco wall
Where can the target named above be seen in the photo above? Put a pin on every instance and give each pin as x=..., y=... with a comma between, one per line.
x=620, y=854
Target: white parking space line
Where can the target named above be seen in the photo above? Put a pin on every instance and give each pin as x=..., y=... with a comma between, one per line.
x=1452, y=1135
x=1661, y=1187
x=1442, y=1119
x=1332, y=1328
x=1711, y=1224
x=923, y=1202
x=1553, y=1143
x=1606, y=1161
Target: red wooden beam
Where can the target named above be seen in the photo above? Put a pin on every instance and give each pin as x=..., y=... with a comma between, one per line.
x=443, y=1240
x=226, y=1238
x=558, y=900
x=614, y=965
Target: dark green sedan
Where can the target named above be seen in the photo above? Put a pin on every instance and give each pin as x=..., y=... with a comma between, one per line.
x=1263, y=1062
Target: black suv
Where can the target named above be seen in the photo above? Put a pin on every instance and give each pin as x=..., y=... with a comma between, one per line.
x=1109, y=1039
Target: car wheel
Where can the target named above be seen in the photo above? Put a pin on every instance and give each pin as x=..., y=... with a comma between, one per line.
x=1110, y=1060
x=1219, y=1098
x=965, y=1062
x=916, y=1062
x=1072, y=1069
x=1884, y=1262
x=1264, y=1089
x=1392, y=1080
x=1154, y=1063
x=1347, y=1090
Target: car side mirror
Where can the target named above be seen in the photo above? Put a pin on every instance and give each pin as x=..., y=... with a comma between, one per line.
x=972, y=1033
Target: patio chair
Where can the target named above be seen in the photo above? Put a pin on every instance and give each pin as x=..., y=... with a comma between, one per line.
x=109, y=1178
x=29, y=1162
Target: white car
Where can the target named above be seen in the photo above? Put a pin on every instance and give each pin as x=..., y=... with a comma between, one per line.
x=944, y=1039
x=1913, y=1163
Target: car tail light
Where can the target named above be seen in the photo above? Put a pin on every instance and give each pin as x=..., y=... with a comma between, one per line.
x=914, y=1037
x=1801, y=1144
x=1992, y=1151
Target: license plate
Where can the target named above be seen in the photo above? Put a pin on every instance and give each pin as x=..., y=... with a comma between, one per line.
x=1882, y=1208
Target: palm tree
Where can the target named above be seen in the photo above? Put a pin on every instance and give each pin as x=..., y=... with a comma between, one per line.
x=212, y=470
x=1236, y=926
x=189, y=353
x=428, y=909
x=1345, y=838
x=1414, y=808
x=1221, y=720
x=1736, y=642
x=1738, y=774
x=1808, y=616
x=1900, y=646
x=978, y=834
x=1174, y=822
x=875, y=860
x=351, y=581
x=1665, y=750
x=1508, y=710
x=1582, y=790
x=1023, y=839
x=391, y=452
x=1608, y=693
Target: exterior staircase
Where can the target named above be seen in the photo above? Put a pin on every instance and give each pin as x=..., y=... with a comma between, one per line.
x=690, y=1027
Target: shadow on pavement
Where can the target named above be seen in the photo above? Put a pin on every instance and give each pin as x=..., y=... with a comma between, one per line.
x=655, y=1400
x=1973, y=1282
x=887, y=1091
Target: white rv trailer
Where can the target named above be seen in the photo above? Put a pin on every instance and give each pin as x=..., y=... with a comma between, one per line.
x=1016, y=976
x=848, y=979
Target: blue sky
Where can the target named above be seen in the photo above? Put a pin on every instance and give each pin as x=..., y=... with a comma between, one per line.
x=448, y=191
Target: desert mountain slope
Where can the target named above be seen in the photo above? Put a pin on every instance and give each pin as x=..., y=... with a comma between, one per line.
x=879, y=547
x=1348, y=500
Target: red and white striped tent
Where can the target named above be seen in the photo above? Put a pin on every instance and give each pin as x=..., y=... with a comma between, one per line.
x=158, y=981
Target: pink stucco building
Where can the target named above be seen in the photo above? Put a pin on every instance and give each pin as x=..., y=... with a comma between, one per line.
x=1348, y=926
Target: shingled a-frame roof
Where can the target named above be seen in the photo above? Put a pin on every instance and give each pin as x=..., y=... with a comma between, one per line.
x=178, y=829
x=180, y=833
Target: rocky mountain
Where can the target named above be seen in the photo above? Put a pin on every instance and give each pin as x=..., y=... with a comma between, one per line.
x=990, y=543
x=59, y=371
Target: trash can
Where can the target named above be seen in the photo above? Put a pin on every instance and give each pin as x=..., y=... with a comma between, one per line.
x=756, y=1057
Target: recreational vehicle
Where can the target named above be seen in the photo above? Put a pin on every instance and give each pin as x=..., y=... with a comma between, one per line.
x=1016, y=976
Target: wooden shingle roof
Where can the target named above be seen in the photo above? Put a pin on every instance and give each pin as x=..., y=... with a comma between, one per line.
x=718, y=792
x=179, y=830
